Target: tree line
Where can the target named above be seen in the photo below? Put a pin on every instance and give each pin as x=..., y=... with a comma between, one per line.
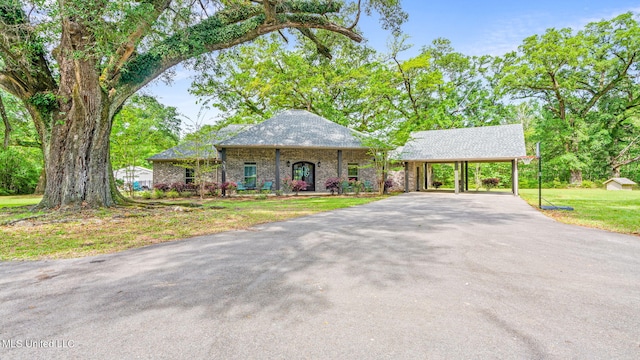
x=73, y=65
x=577, y=92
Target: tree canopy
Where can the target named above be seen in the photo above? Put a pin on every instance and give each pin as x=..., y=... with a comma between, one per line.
x=73, y=64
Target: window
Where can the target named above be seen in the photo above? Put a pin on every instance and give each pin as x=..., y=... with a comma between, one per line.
x=250, y=175
x=189, y=175
x=352, y=171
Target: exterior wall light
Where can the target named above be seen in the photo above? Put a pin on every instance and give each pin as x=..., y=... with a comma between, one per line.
x=288, y=163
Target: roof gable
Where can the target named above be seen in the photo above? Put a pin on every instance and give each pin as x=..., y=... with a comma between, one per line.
x=621, y=181
x=296, y=128
x=486, y=143
x=187, y=150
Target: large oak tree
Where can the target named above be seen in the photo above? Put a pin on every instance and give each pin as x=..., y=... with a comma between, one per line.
x=587, y=81
x=74, y=63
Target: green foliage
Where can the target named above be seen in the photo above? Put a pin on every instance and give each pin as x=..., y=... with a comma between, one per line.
x=157, y=194
x=19, y=170
x=172, y=194
x=143, y=128
x=45, y=102
x=587, y=85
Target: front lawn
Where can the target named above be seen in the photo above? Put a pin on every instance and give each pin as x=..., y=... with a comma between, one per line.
x=66, y=235
x=610, y=210
x=19, y=200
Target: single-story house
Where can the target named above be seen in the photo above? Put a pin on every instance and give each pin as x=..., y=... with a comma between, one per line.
x=503, y=143
x=135, y=174
x=293, y=144
x=171, y=166
x=619, y=184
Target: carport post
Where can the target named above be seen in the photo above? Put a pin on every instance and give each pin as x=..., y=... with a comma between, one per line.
x=406, y=176
x=466, y=176
x=457, y=178
x=514, y=176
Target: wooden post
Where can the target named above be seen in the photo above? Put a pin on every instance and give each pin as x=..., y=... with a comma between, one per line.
x=339, y=163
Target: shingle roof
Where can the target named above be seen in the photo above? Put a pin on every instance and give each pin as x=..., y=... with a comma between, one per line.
x=188, y=150
x=296, y=128
x=478, y=143
x=621, y=181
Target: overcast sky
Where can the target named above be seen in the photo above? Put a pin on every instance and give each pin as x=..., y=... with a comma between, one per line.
x=474, y=28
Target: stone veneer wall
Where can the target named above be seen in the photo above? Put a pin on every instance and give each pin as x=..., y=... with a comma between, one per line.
x=265, y=163
x=165, y=172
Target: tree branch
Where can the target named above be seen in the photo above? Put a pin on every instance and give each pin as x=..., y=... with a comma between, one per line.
x=621, y=74
x=222, y=31
x=7, y=126
x=126, y=49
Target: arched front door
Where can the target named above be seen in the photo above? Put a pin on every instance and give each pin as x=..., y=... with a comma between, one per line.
x=305, y=171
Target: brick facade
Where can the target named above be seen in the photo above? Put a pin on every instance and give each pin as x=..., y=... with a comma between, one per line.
x=166, y=172
x=325, y=161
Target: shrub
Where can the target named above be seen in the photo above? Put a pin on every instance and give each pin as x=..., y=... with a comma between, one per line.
x=261, y=197
x=157, y=194
x=178, y=186
x=286, y=185
x=279, y=192
x=388, y=184
x=187, y=193
x=192, y=187
x=172, y=194
x=557, y=184
x=229, y=186
x=145, y=195
x=490, y=183
x=588, y=184
x=161, y=187
x=436, y=184
x=211, y=188
x=333, y=185
x=298, y=185
x=356, y=185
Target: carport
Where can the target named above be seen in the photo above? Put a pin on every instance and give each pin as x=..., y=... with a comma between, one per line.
x=503, y=143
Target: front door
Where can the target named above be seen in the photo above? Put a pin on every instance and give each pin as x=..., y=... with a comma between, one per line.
x=305, y=171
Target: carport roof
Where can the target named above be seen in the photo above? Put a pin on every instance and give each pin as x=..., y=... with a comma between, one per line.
x=487, y=143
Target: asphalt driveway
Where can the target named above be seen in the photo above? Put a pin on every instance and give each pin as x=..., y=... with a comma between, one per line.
x=435, y=276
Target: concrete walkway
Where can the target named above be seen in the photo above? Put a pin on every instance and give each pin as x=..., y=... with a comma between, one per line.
x=438, y=276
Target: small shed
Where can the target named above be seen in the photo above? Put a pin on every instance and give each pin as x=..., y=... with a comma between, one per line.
x=619, y=184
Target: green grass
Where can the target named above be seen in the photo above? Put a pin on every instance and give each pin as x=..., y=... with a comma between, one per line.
x=19, y=200
x=617, y=211
x=66, y=235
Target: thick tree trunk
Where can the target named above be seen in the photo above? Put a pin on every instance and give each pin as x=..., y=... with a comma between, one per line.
x=42, y=182
x=615, y=172
x=77, y=169
x=576, y=177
